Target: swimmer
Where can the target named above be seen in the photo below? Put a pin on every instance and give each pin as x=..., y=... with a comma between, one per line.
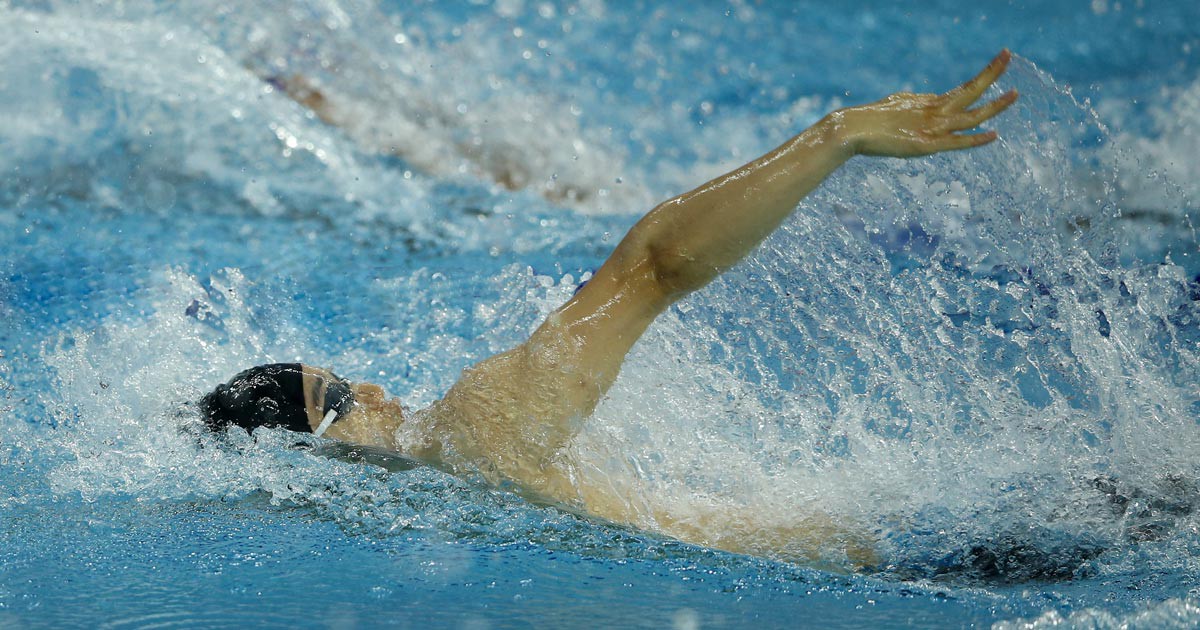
x=509, y=416
x=494, y=163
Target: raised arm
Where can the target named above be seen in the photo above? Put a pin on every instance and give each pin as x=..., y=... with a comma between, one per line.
x=511, y=413
x=696, y=236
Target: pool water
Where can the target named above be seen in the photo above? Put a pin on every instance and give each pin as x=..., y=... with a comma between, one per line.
x=989, y=360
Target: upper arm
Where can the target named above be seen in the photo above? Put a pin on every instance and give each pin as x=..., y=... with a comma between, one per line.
x=510, y=413
x=588, y=337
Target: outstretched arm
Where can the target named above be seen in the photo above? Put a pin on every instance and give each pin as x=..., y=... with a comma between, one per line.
x=511, y=413
x=694, y=237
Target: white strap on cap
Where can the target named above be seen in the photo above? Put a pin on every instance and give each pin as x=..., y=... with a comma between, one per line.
x=326, y=422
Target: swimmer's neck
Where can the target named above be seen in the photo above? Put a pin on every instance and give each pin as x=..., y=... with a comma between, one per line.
x=446, y=434
x=375, y=422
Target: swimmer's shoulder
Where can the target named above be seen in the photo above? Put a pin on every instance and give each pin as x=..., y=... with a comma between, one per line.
x=510, y=413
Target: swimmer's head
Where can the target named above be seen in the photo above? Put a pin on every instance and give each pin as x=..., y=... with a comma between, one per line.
x=293, y=396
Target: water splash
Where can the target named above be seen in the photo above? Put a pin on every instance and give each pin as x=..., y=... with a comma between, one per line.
x=939, y=349
x=1172, y=613
x=954, y=352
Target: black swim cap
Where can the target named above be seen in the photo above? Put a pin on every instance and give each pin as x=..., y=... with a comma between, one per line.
x=270, y=396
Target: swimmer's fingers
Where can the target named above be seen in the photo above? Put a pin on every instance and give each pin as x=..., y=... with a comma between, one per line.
x=954, y=142
x=974, y=117
x=911, y=125
x=916, y=143
x=964, y=95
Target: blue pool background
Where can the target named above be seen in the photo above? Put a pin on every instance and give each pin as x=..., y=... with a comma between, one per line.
x=965, y=352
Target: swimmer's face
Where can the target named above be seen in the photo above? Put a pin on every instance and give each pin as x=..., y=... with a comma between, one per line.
x=371, y=422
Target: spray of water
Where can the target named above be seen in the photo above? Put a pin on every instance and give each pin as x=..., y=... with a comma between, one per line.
x=968, y=356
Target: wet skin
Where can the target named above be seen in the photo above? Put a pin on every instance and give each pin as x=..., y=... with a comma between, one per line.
x=372, y=421
x=510, y=416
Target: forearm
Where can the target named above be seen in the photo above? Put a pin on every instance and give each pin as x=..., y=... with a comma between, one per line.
x=692, y=238
x=811, y=538
x=696, y=236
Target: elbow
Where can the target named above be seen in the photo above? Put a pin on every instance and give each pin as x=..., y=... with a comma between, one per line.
x=662, y=251
x=675, y=270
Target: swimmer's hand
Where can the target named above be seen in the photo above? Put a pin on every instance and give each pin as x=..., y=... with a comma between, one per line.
x=911, y=125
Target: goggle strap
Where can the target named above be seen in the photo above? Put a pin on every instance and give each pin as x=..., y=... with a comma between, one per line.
x=329, y=417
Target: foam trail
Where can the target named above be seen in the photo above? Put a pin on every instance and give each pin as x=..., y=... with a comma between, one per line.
x=445, y=109
x=103, y=113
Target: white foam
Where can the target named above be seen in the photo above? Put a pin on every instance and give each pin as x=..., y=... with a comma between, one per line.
x=123, y=94
x=1165, y=156
x=1172, y=613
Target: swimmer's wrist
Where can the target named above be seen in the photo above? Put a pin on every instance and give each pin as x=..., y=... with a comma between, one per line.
x=836, y=132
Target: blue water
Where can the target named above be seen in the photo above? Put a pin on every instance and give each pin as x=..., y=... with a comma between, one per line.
x=988, y=359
